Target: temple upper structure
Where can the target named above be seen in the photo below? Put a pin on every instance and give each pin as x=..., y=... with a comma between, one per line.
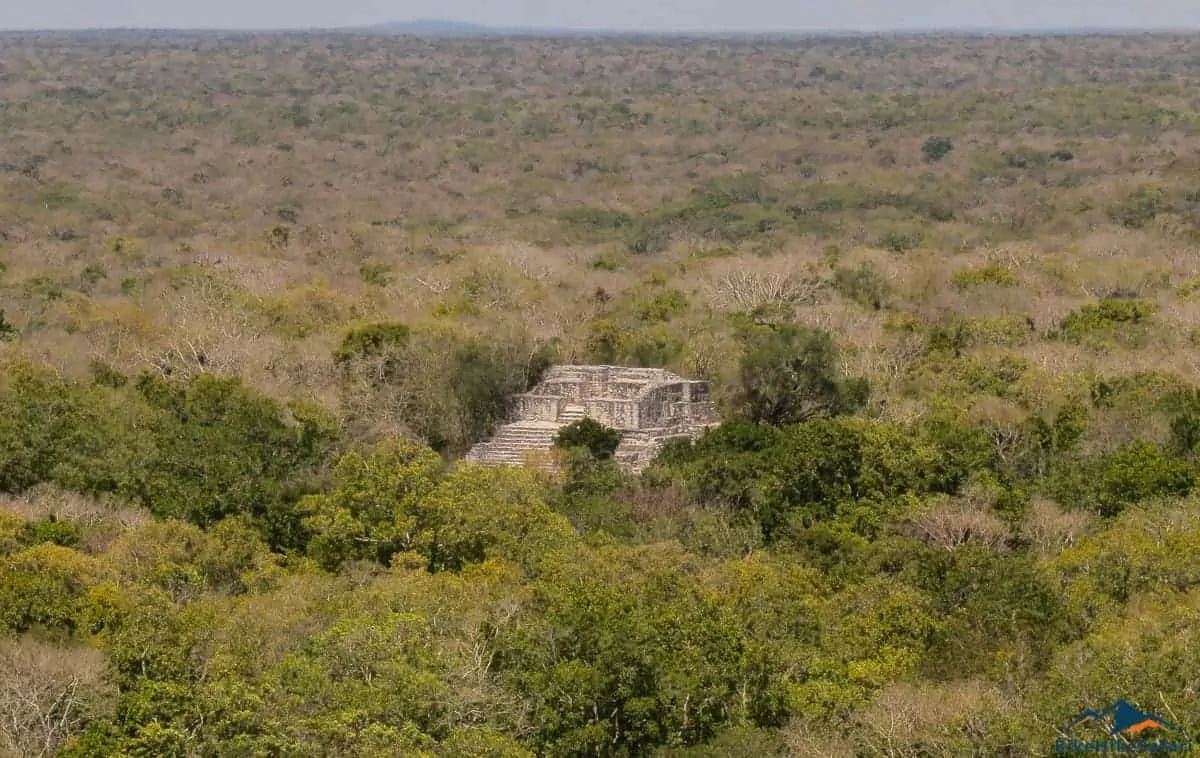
x=648, y=406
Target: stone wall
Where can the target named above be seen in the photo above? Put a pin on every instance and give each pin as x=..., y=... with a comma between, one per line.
x=619, y=414
x=536, y=408
x=625, y=390
x=673, y=404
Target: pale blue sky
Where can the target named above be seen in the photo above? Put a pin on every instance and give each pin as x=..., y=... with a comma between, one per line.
x=682, y=15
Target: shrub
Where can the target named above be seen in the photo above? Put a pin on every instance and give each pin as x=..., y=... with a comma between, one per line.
x=371, y=340
x=49, y=431
x=992, y=376
x=376, y=273
x=1183, y=408
x=597, y=223
x=126, y=246
x=862, y=285
x=484, y=376
x=1140, y=207
x=735, y=190
x=606, y=262
x=1025, y=157
x=992, y=274
x=600, y=441
x=936, y=148
x=721, y=467
x=663, y=306
x=43, y=288
x=53, y=531
x=988, y=602
x=844, y=468
x=308, y=309
x=222, y=449
x=92, y=274
x=1141, y=389
x=998, y=331
x=1105, y=316
x=649, y=236
x=605, y=341
x=901, y=241
x=7, y=330
x=653, y=348
x=1188, y=288
x=45, y=585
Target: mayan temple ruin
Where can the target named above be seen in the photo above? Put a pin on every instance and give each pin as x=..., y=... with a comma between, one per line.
x=648, y=406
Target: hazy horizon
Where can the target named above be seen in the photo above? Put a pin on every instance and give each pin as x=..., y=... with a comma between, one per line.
x=617, y=16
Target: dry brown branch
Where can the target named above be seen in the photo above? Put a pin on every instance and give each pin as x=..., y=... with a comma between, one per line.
x=47, y=693
x=745, y=290
x=1052, y=529
x=959, y=522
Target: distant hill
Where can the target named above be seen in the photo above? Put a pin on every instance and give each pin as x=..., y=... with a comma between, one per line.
x=447, y=28
x=450, y=28
x=435, y=28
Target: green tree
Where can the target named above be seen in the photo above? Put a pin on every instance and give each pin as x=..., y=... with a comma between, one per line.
x=600, y=441
x=625, y=653
x=482, y=743
x=362, y=683
x=721, y=467
x=871, y=635
x=485, y=374
x=789, y=374
x=1139, y=472
x=45, y=585
x=396, y=499
x=479, y=513
x=1002, y=615
x=50, y=529
x=222, y=449
x=384, y=341
x=371, y=512
x=847, y=468
x=49, y=430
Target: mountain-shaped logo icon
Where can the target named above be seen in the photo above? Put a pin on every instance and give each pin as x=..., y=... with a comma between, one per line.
x=1125, y=720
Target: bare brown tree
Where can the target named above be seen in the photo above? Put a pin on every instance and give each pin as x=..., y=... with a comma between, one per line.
x=47, y=694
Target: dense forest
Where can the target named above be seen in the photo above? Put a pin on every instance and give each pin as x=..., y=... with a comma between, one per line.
x=259, y=294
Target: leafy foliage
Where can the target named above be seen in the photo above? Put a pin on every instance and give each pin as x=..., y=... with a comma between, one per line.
x=600, y=441
x=789, y=374
x=371, y=340
x=1105, y=316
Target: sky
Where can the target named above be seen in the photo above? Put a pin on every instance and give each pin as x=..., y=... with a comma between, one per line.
x=647, y=15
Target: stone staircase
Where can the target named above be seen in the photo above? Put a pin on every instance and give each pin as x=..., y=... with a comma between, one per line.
x=513, y=443
x=571, y=413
